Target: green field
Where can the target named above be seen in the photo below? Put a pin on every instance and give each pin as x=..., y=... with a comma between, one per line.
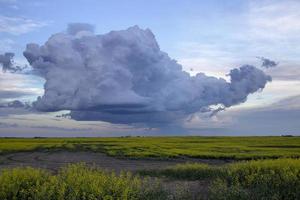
x=165, y=147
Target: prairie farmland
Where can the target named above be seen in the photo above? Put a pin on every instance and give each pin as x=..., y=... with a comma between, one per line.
x=150, y=168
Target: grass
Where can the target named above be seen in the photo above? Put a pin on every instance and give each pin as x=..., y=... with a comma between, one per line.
x=262, y=179
x=165, y=147
x=76, y=182
x=255, y=180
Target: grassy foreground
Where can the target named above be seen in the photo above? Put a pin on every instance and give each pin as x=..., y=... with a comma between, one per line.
x=164, y=147
x=247, y=180
x=76, y=182
x=262, y=179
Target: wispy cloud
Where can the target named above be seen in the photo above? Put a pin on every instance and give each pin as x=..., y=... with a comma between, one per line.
x=19, y=25
x=9, y=94
x=279, y=19
x=278, y=118
x=20, y=86
x=287, y=70
x=6, y=45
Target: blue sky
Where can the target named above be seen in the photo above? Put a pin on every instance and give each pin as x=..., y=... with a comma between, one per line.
x=204, y=36
x=171, y=21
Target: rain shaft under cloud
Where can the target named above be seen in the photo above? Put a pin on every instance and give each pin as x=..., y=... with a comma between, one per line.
x=124, y=77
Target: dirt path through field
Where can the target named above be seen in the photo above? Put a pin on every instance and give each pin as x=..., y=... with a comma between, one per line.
x=55, y=160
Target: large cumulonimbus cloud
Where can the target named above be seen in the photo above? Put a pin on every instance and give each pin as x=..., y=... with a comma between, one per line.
x=124, y=77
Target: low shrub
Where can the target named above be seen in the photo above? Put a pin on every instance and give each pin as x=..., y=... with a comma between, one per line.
x=267, y=179
x=76, y=182
x=188, y=171
x=262, y=179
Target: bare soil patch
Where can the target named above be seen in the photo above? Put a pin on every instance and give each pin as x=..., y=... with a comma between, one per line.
x=57, y=159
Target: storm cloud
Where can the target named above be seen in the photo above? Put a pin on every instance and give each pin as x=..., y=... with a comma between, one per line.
x=15, y=104
x=267, y=63
x=7, y=62
x=124, y=77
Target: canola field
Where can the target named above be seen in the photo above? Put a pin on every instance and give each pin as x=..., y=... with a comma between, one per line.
x=239, y=148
